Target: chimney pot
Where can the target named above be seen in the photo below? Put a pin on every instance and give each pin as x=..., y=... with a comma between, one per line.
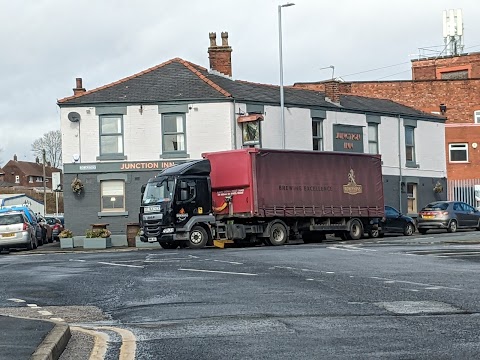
x=37, y=160
x=220, y=56
x=79, y=89
x=14, y=157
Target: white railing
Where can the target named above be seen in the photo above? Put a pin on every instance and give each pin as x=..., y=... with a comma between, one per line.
x=467, y=190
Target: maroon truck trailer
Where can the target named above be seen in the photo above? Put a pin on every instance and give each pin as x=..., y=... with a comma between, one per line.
x=265, y=195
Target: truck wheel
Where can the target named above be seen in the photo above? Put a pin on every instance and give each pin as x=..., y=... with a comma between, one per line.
x=169, y=245
x=198, y=238
x=278, y=234
x=356, y=230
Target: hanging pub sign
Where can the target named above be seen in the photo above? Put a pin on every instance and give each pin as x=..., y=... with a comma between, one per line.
x=348, y=138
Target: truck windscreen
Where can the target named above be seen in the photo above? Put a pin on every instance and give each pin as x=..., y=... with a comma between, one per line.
x=159, y=191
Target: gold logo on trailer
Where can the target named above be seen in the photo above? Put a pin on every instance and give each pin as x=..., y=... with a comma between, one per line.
x=352, y=188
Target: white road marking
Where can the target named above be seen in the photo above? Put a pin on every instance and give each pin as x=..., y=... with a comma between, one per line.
x=341, y=248
x=433, y=288
x=414, y=283
x=45, y=313
x=57, y=319
x=16, y=300
x=229, y=262
x=78, y=260
x=219, y=272
x=329, y=272
x=33, y=305
x=309, y=279
x=114, y=264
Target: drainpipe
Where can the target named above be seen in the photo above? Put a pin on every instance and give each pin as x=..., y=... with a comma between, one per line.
x=399, y=166
x=234, y=124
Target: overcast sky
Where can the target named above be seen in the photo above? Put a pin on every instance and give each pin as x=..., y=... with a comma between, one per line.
x=46, y=44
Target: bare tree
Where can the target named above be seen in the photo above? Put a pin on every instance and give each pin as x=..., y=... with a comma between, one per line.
x=51, y=142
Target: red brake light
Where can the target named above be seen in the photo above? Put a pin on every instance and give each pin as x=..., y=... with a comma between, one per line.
x=444, y=212
x=25, y=226
x=56, y=226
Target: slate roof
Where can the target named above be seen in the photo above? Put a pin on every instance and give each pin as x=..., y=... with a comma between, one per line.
x=180, y=80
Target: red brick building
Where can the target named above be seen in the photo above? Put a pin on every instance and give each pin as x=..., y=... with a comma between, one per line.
x=447, y=85
x=27, y=174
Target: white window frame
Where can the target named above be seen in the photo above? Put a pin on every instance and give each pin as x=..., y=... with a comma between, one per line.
x=457, y=147
x=17, y=179
x=120, y=191
x=476, y=116
x=408, y=145
x=375, y=140
x=319, y=123
x=118, y=135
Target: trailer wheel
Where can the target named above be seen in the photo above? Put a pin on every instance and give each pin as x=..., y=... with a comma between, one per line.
x=169, y=245
x=198, y=238
x=355, y=231
x=278, y=234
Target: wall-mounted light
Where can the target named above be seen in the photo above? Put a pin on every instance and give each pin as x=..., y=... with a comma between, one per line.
x=443, y=108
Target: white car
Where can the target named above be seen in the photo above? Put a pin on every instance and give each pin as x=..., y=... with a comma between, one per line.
x=16, y=231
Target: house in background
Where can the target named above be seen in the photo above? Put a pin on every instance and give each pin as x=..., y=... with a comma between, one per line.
x=7, y=200
x=28, y=174
x=116, y=137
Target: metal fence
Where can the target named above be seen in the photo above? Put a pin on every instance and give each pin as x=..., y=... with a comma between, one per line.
x=467, y=190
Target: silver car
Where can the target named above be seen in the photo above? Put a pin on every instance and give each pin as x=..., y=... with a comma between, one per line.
x=16, y=231
x=448, y=215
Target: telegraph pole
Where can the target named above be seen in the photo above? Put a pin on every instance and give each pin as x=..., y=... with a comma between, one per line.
x=44, y=185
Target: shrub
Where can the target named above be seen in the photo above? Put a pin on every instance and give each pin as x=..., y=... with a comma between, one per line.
x=98, y=233
x=66, y=234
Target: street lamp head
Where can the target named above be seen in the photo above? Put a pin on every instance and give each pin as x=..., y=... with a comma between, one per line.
x=287, y=5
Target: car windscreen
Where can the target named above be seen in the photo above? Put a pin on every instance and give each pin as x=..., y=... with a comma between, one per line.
x=436, y=206
x=11, y=219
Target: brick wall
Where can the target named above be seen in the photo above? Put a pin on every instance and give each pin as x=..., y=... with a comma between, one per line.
x=430, y=69
x=463, y=134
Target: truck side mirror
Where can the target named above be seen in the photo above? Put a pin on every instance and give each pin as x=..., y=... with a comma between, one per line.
x=143, y=188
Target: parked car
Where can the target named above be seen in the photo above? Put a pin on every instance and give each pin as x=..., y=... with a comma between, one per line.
x=448, y=215
x=47, y=230
x=56, y=225
x=16, y=231
x=31, y=217
x=394, y=222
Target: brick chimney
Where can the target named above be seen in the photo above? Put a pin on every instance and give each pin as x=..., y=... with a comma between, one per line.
x=332, y=91
x=79, y=89
x=220, y=56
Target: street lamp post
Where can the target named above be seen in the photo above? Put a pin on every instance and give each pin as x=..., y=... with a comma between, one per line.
x=282, y=99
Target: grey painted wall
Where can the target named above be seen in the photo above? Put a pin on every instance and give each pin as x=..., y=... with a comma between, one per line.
x=82, y=210
x=425, y=193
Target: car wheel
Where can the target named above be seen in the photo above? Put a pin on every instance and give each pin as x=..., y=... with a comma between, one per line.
x=198, y=238
x=452, y=227
x=31, y=245
x=375, y=233
x=409, y=229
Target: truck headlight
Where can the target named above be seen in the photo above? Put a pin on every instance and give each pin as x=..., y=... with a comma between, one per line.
x=167, y=231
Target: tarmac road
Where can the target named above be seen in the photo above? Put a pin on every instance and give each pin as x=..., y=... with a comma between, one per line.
x=394, y=298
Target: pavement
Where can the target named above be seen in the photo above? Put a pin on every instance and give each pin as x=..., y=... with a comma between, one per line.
x=22, y=338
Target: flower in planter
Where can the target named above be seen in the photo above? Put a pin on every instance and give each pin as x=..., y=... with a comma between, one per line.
x=98, y=233
x=66, y=234
x=77, y=186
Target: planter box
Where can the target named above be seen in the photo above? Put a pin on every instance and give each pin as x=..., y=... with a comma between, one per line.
x=66, y=243
x=97, y=243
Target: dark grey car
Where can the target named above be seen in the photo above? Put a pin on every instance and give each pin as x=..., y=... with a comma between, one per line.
x=448, y=215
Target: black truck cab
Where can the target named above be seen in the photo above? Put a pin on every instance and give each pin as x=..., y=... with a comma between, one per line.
x=176, y=206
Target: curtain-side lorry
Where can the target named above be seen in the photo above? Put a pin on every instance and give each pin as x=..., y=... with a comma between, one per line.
x=262, y=195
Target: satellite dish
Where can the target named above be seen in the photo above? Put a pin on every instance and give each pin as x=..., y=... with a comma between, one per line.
x=74, y=116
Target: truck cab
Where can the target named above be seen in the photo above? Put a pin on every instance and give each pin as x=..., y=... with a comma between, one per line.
x=176, y=206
